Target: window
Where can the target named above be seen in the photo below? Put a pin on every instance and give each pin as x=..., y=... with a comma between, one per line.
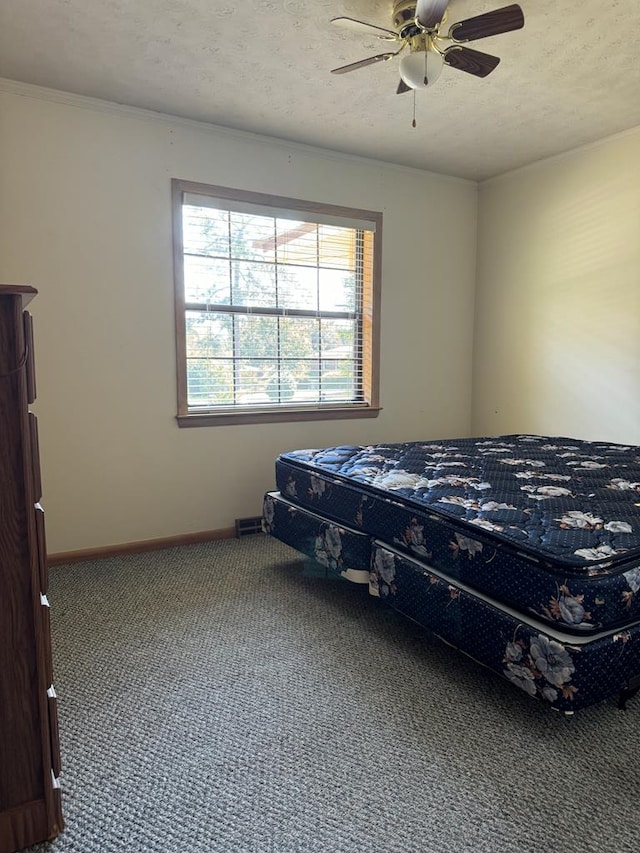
x=277, y=307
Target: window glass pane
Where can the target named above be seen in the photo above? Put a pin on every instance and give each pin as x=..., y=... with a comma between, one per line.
x=298, y=287
x=209, y=383
x=299, y=337
x=205, y=231
x=253, y=284
x=252, y=381
x=337, y=290
x=209, y=335
x=256, y=337
x=338, y=380
x=338, y=338
x=306, y=375
x=337, y=247
x=206, y=280
x=252, y=237
x=297, y=242
x=282, y=385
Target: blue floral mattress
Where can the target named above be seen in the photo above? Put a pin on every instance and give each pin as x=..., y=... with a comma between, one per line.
x=549, y=526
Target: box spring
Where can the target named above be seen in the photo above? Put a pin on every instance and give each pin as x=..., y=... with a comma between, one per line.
x=566, y=671
x=339, y=549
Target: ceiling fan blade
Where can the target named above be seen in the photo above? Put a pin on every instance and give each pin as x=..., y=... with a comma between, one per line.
x=362, y=27
x=402, y=88
x=380, y=57
x=430, y=12
x=471, y=61
x=490, y=24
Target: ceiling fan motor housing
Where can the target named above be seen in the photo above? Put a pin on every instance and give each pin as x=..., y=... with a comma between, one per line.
x=430, y=12
x=404, y=11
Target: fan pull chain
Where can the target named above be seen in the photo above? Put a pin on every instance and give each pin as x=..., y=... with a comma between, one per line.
x=413, y=123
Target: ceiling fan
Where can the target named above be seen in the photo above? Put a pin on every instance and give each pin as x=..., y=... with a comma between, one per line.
x=428, y=45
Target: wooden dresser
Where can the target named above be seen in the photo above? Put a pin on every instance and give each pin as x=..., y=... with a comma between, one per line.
x=30, y=808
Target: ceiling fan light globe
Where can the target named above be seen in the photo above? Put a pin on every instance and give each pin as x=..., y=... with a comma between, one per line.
x=412, y=68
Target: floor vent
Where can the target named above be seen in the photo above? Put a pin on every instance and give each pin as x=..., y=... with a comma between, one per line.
x=247, y=526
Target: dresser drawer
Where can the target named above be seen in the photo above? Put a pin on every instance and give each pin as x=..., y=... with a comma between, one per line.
x=52, y=701
x=28, y=346
x=41, y=545
x=35, y=457
x=46, y=639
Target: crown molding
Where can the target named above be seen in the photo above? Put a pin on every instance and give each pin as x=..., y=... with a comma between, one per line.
x=86, y=102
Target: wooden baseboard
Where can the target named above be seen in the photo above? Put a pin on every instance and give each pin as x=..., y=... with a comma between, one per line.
x=104, y=551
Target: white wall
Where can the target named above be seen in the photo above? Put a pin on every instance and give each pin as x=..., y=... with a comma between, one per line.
x=557, y=338
x=85, y=217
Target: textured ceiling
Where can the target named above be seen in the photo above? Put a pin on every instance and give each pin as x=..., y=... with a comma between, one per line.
x=570, y=77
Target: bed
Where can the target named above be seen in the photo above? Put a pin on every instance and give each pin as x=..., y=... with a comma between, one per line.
x=522, y=551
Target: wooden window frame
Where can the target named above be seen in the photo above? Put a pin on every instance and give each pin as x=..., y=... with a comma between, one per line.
x=370, y=408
